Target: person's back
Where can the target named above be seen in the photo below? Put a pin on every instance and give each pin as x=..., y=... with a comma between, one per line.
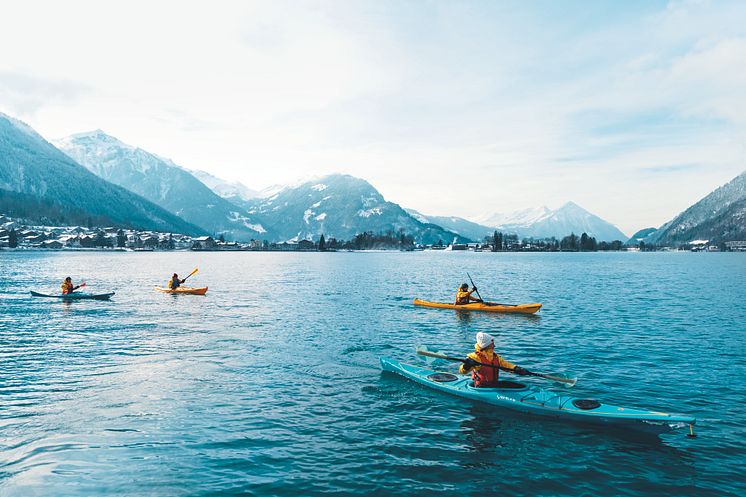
x=485, y=364
x=175, y=282
x=67, y=286
x=463, y=295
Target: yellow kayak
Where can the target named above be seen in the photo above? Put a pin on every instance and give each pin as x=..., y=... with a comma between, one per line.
x=183, y=289
x=483, y=306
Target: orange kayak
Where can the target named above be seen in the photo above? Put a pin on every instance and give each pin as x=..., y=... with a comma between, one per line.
x=183, y=289
x=483, y=306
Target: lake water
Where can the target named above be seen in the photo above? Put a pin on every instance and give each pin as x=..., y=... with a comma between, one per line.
x=270, y=384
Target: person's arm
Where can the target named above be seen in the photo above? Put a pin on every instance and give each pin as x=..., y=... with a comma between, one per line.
x=75, y=288
x=512, y=367
x=471, y=297
x=468, y=365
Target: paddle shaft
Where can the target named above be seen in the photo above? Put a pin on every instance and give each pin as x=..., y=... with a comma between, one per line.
x=193, y=272
x=456, y=359
x=480, y=297
x=474, y=286
x=559, y=379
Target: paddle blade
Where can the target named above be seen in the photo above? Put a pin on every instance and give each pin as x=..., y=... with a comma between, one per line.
x=567, y=380
x=192, y=273
x=430, y=355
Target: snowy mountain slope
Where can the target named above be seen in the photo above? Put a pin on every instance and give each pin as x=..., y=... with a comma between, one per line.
x=720, y=216
x=339, y=206
x=162, y=182
x=33, y=173
x=233, y=191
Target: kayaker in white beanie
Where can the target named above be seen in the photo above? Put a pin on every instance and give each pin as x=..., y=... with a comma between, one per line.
x=485, y=364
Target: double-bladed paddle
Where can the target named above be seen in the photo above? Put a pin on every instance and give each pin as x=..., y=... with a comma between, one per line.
x=556, y=377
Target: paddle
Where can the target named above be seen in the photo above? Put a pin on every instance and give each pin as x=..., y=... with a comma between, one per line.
x=193, y=272
x=557, y=377
x=474, y=287
x=482, y=300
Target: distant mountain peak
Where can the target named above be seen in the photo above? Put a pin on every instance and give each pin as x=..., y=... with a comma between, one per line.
x=542, y=222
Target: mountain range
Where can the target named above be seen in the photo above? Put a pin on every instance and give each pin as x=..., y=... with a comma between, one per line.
x=38, y=181
x=535, y=222
x=162, y=182
x=102, y=180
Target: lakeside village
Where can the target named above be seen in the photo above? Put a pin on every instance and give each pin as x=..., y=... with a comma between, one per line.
x=14, y=234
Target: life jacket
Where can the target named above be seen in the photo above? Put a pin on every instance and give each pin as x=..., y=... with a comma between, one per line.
x=174, y=283
x=485, y=376
x=462, y=296
x=66, y=288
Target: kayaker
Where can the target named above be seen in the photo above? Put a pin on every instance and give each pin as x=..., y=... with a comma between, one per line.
x=484, y=353
x=175, y=282
x=464, y=295
x=68, y=287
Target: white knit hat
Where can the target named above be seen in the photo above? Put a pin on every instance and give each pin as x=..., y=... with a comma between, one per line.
x=484, y=340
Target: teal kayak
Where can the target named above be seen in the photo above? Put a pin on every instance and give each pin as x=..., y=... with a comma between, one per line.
x=534, y=400
x=75, y=296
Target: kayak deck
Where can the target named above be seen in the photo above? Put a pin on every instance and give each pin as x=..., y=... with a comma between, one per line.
x=483, y=306
x=535, y=400
x=75, y=296
x=186, y=290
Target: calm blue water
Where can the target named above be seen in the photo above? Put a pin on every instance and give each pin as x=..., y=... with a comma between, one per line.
x=270, y=384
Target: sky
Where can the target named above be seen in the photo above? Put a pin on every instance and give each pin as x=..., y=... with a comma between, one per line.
x=633, y=110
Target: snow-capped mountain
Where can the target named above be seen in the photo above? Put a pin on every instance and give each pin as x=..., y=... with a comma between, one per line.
x=718, y=217
x=543, y=222
x=339, y=206
x=523, y=217
x=161, y=181
x=468, y=229
x=39, y=181
x=233, y=191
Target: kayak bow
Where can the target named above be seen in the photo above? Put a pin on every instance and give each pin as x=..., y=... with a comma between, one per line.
x=534, y=400
x=483, y=306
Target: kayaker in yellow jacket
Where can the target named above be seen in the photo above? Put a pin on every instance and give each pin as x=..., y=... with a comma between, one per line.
x=485, y=364
x=67, y=286
x=464, y=295
x=175, y=282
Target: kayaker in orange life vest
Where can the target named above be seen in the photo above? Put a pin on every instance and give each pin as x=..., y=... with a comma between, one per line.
x=484, y=353
x=463, y=295
x=68, y=287
x=175, y=282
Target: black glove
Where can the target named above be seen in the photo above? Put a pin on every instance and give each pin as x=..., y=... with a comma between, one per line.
x=520, y=371
x=470, y=363
x=473, y=289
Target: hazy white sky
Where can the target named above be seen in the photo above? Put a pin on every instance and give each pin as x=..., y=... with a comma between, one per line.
x=634, y=110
